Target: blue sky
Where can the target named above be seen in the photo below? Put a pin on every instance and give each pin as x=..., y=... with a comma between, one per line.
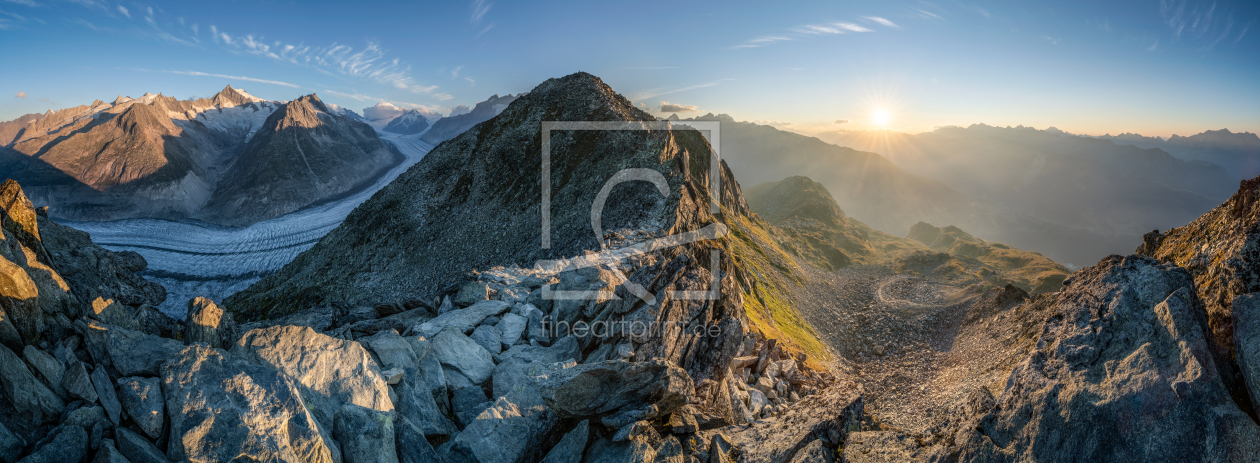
x=1152, y=67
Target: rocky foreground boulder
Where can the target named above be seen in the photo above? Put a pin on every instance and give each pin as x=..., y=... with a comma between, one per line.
x=1123, y=371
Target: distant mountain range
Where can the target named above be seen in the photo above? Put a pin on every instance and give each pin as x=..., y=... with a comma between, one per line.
x=232, y=159
x=1238, y=153
x=1073, y=198
x=450, y=127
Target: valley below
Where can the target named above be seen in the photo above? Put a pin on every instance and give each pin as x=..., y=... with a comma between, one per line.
x=197, y=259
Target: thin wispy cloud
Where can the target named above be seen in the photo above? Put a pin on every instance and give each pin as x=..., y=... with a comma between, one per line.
x=20, y=95
x=353, y=96
x=807, y=30
x=123, y=10
x=852, y=27
x=762, y=41
x=1050, y=40
x=655, y=92
x=479, y=10
x=882, y=22
x=1199, y=24
x=842, y=121
x=222, y=76
x=29, y=3
x=925, y=14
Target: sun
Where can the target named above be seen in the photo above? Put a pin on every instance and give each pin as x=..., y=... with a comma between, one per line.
x=880, y=117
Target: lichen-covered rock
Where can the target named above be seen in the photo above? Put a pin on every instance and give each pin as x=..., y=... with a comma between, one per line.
x=222, y=408
x=1123, y=371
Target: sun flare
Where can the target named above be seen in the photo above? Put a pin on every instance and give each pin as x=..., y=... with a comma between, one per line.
x=880, y=117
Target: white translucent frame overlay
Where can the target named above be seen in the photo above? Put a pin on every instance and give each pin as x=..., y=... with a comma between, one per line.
x=712, y=132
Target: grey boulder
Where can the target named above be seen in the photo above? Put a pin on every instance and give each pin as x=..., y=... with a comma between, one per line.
x=462, y=355
x=66, y=444
x=1125, y=350
x=488, y=337
x=222, y=408
x=605, y=388
x=208, y=323
x=78, y=383
x=571, y=446
x=108, y=453
x=464, y=320
x=10, y=445
x=366, y=436
x=109, y=398
x=1246, y=315
x=136, y=448
x=26, y=392
x=500, y=434
x=334, y=371
x=142, y=400
x=47, y=366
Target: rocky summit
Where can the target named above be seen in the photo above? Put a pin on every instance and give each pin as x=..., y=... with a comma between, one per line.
x=554, y=285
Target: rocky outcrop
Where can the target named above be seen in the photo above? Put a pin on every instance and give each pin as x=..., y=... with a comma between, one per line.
x=223, y=408
x=1221, y=250
x=1123, y=371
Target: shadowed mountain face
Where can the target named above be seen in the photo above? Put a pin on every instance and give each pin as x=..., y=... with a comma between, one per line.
x=159, y=157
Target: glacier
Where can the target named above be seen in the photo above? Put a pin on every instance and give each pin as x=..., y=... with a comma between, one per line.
x=192, y=258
